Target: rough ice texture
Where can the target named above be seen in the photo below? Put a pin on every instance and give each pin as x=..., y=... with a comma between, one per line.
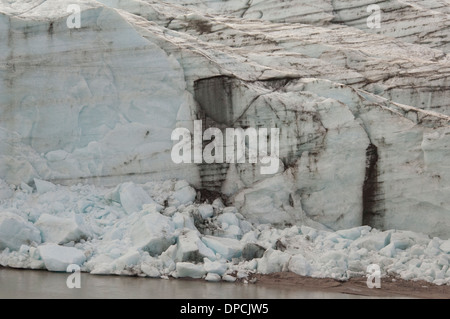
x=131, y=197
x=58, y=258
x=61, y=230
x=16, y=231
x=226, y=247
x=153, y=233
x=147, y=243
x=95, y=103
x=191, y=248
x=299, y=265
x=190, y=270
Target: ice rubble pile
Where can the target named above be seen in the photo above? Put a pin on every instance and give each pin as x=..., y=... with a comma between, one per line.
x=159, y=229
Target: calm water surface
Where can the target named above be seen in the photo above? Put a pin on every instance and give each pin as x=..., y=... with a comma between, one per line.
x=42, y=284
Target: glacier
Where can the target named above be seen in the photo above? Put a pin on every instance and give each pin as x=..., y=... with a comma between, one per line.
x=86, y=117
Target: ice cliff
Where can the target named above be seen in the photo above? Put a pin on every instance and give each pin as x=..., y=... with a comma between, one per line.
x=363, y=113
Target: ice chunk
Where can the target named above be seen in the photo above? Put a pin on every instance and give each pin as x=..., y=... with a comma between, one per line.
x=264, y=202
x=153, y=233
x=24, y=249
x=130, y=196
x=335, y=263
x=43, y=187
x=252, y=251
x=290, y=231
x=187, y=249
x=388, y=251
x=191, y=248
x=443, y=260
x=373, y=241
x=169, y=211
x=133, y=197
x=229, y=223
x=101, y=264
x=445, y=246
x=180, y=185
x=250, y=237
x=34, y=253
x=416, y=250
x=231, y=231
x=273, y=261
x=241, y=274
x=433, y=247
x=167, y=258
x=245, y=226
x=401, y=242
x=228, y=218
x=185, y=269
x=184, y=194
x=218, y=204
x=205, y=251
x=228, y=248
x=152, y=207
x=206, y=211
x=150, y=271
x=58, y=258
x=309, y=232
x=129, y=259
x=5, y=190
x=26, y=188
x=183, y=220
x=353, y=233
x=16, y=231
x=229, y=278
x=103, y=269
x=251, y=265
x=405, y=239
x=299, y=265
x=61, y=230
x=216, y=267
x=212, y=277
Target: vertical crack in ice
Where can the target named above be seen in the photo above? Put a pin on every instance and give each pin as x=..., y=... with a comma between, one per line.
x=370, y=189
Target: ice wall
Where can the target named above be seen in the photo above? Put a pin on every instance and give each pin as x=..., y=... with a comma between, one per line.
x=363, y=114
x=99, y=102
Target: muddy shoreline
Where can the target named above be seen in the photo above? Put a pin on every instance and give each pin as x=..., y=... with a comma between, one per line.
x=390, y=286
x=287, y=281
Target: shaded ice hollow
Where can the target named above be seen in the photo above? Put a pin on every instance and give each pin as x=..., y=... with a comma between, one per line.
x=86, y=116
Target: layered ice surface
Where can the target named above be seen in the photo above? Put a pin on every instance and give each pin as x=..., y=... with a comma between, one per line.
x=363, y=114
x=95, y=228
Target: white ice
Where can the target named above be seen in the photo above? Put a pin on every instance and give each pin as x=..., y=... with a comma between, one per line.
x=58, y=258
